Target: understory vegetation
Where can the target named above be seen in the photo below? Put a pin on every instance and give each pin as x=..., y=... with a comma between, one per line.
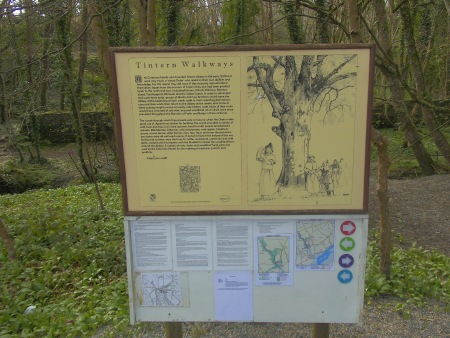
x=71, y=266
x=403, y=162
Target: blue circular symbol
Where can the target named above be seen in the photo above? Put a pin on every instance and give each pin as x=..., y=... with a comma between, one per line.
x=345, y=276
x=346, y=260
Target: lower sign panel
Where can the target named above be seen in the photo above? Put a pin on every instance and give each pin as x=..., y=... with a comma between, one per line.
x=242, y=268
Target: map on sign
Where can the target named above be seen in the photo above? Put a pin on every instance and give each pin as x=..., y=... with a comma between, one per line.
x=315, y=245
x=273, y=254
x=162, y=289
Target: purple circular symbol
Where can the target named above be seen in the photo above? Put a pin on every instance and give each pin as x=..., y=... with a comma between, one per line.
x=346, y=261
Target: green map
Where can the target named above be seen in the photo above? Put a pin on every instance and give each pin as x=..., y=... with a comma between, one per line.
x=273, y=254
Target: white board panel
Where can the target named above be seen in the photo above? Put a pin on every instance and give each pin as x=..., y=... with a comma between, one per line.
x=327, y=279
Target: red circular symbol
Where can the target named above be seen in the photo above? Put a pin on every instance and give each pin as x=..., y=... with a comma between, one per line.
x=348, y=228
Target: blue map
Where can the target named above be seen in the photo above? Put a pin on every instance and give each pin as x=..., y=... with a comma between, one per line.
x=315, y=245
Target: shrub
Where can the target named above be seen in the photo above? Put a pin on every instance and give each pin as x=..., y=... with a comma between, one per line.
x=18, y=177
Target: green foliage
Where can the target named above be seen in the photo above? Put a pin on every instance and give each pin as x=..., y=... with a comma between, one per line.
x=239, y=21
x=16, y=177
x=71, y=263
x=403, y=161
x=416, y=275
x=71, y=266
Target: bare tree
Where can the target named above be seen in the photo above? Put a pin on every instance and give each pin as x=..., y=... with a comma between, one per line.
x=312, y=86
x=395, y=78
x=416, y=63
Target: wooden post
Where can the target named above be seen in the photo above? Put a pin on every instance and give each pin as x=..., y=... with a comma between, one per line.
x=321, y=330
x=173, y=330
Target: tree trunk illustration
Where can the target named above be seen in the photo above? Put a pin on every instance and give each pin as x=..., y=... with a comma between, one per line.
x=310, y=87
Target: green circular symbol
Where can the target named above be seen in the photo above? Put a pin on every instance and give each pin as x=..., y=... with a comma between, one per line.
x=347, y=243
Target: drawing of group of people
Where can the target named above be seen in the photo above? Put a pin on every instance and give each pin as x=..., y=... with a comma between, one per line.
x=323, y=179
x=318, y=180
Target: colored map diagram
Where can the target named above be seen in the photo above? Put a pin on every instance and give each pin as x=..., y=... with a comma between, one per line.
x=161, y=289
x=273, y=254
x=315, y=245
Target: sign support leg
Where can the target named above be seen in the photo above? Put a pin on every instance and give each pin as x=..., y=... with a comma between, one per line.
x=321, y=330
x=173, y=330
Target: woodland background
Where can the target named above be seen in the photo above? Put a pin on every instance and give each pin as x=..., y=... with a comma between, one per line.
x=67, y=258
x=55, y=58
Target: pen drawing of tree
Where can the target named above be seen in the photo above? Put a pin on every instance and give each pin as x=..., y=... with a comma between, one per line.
x=300, y=90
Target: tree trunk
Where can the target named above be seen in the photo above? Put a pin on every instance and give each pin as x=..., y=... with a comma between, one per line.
x=45, y=67
x=385, y=241
x=29, y=92
x=63, y=33
x=173, y=17
x=447, y=61
x=322, y=26
x=398, y=92
x=294, y=106
x=100, y=35
x=3, y=102
x=420, y=152
x=419, y=79
x=296, y=34
x=380, y=141
x=146, y=10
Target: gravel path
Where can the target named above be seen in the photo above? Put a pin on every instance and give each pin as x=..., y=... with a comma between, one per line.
x=381, y=320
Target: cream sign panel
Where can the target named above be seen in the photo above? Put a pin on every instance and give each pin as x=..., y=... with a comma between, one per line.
x=262, y=130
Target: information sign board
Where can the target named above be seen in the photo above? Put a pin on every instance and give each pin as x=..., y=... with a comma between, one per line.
x=244, y=130
x=246, y=268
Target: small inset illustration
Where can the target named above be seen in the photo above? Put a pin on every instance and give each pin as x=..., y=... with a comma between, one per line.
x=189, y=178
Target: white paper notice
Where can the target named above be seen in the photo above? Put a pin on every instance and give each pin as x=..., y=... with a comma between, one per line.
x=151, y=245
x=275, y=227
x=232, y=245
x=233, y=296
x=191, y=242
x=274, y=259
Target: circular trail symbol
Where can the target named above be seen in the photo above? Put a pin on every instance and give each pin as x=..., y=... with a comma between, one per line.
x=345, y=276
x=347, y=243
x=346, y=260
x=348, y=228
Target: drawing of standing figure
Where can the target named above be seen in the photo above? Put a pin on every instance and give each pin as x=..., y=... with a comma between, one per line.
x=335, y=173
x=312, y=181
x=267, y=184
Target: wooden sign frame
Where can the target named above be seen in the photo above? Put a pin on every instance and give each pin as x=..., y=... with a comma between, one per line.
x=244, y=129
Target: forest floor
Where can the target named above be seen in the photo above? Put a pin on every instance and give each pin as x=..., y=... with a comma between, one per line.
x=420, y=215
